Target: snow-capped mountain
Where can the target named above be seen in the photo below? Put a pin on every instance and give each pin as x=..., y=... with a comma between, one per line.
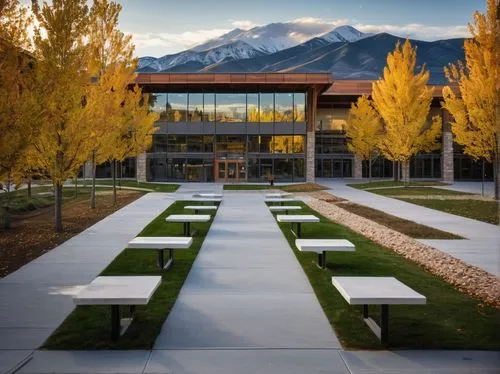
x=240, y=44
x=344, y=34
x=236, y=50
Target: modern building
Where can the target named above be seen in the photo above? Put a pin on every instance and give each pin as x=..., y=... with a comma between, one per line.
x=250, y=127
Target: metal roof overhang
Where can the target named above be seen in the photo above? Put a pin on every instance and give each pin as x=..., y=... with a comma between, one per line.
x=232, y=82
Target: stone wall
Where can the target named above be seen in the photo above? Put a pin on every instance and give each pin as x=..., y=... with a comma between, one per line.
x=310, y=156
x=141, y=168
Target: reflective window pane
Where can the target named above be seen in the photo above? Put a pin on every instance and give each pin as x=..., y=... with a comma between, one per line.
x=195, y=143
x=299, y=107
x=266, y=107
x=177, y=107
x=253, y=143
x=208, y=107
x=253, y=107
x=298, y=144
x=283, y=107
x=266, y=168
x=176, y=143
x=159, y=143
x=195, y=107
x=266, y=144
x=158, y=104
x=208, y=143
x=283, y=169
x=298, y=169
x=282, y=144
x=231, y=107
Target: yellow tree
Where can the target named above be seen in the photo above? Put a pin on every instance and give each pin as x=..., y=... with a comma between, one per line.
x=62, y=86
x=475, y=122
x=363, y=130
x=112, y=65
x=403, y=100
x=18, y=110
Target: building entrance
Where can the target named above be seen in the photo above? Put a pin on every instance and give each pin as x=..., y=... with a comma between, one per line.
x=230, y=171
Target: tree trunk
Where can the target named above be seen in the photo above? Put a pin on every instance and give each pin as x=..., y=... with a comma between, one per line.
x=92, y=193
x=370, y=170
x=58, y=189
x=406, y=172
x=113, y=170
x=395, y=170
x=29, y=187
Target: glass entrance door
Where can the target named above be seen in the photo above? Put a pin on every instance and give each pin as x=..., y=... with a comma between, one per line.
x=230, y=171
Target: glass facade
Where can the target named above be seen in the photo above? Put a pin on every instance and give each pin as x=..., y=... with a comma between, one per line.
x=230, y=108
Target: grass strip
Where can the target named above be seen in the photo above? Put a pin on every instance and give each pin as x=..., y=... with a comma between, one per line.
x=157, y=187
x=88, y=327
x=450, y=320
x=485, y=211
x=410, y=228
x=417, y=191
x=300, y=187
x=391, y=183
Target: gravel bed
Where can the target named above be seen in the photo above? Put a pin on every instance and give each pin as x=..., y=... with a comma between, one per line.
x=466, y=278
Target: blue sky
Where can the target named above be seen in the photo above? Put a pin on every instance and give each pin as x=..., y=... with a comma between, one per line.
x=167, y=26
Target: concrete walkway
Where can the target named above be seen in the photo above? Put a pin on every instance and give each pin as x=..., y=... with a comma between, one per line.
x=36, y=298
x=246, y=290
x=471, y=187
x=481, y=247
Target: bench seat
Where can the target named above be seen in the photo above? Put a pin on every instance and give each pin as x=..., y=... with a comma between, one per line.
x=197, y=208
x=321, y=246
x=383, y=291
x=119, y=291
x=284, y=208
x=187, y=219
x=297, y=219
x=161, y=243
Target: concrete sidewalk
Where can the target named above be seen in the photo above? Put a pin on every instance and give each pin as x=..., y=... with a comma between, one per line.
x=480, y=248
x=36, y=298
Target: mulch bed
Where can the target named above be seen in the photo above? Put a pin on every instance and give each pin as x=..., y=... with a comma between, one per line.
x=32, y=236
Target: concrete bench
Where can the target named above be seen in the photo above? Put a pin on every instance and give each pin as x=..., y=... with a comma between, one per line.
x=116, y=292
x=280, y=200
x=208, y=195
x=278, y=195
x=383, y=291
x=213, y=200
x=187, y=219
x=297, y=219
x=284, y=208
x=197, y=208
x=321, y=246
x=162, y=243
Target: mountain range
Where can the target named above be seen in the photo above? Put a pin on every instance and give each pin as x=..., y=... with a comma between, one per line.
x=280, y=47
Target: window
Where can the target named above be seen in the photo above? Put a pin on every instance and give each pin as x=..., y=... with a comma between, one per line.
x=231, y=107
x=266, y=143
x=266, y=168
x=158, y=104
x=208, y=107
x=177, y=107
x=298, y=168
x=282, y=144
x=283, y=107
x=208, y=143
x=283, y=169
x=266, y=107
x=253, y=143
x=299, y=107
x=195, y=107
x=298, y=144
x=253, y=107
x=176, y=143
x=195, y=143
x=159, y=143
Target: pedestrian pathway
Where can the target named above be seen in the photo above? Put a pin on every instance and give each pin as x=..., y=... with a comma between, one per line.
x=481, y=247
x=36, y=298
x=246, y=289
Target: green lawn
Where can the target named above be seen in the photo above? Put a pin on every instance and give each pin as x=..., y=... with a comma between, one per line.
x=410, y=228
x=88, y=327
x=20, y=203
x=486, y=211
x=300, y=187
x=450, y=320
x=157, y=187
x=391, y=183
x=414, y=191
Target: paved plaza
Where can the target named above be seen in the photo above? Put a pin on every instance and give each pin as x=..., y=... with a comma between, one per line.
x=246, y=306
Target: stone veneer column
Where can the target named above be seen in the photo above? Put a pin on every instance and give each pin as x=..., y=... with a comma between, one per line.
x=446, y=149
x=357, y=167
x=140, y=168
x=310, y=156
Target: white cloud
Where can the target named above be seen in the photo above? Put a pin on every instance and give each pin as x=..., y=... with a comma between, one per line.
x=320, y=21
x=244, y=24
x=418, y=31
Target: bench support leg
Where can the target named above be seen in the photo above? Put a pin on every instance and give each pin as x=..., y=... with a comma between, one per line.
x=120, y=325
x=382, y=330
x=160, y=258
x=170, y=259
x=298, y=232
